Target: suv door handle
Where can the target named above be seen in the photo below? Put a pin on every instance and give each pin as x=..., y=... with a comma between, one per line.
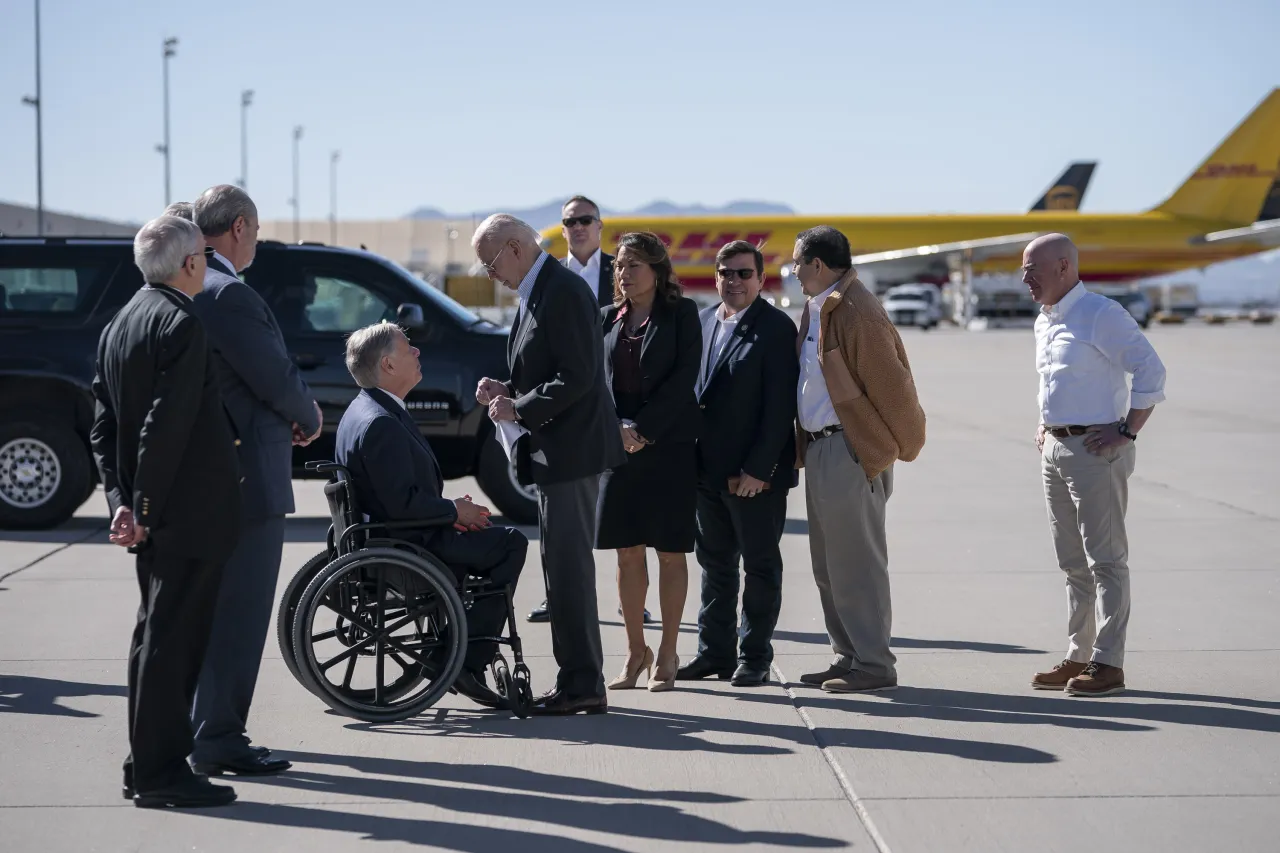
x=307, y=361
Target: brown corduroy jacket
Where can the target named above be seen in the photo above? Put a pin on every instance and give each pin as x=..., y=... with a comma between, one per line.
x=868, y=377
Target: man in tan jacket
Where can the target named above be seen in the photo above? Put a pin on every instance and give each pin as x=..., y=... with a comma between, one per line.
x=857, y=414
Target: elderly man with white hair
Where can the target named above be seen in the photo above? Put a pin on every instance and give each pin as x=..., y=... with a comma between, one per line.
x=1086, y=345
x=557, y=391
x=166, y=455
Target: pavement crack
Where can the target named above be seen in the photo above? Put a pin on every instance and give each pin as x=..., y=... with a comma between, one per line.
x=38, y=560
x=859, y=807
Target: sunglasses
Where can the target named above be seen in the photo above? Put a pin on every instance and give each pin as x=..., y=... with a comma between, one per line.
x=577, y=220
x=743, y=274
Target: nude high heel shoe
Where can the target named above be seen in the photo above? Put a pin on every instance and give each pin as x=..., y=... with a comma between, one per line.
x=627, y=680
x=660, y=680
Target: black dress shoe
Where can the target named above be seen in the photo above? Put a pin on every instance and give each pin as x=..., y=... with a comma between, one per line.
x=700, y=667
x=248, y=764
x=474, y=686
x=557, y=703
x=750, y=675
x=193, y=793
x=540, y=613
x=816, y=678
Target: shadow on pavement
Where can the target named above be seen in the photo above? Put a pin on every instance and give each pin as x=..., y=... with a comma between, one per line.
x=74, y=531
x=960, y=646
x=26, y=694
x=523, y=795
x=671, y=732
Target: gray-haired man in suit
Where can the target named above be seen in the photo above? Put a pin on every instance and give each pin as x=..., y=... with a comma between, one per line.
x=271, y=410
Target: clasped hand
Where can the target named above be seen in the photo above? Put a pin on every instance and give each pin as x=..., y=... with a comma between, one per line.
x=125, y=531
x=301, y=439
x=471, y=516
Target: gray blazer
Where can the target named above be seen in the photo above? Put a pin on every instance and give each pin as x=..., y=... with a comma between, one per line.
x=261, y=389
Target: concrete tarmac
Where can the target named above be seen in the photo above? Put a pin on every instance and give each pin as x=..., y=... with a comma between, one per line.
x=964, y=756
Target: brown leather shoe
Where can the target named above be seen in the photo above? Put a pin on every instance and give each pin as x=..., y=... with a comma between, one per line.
x=1057, y=678
x=857, y=681
x=1098, y=679
x=816, y=678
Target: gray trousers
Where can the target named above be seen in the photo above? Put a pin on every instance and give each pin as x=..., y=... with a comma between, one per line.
x=567, y=524
x=1087, y=496
x=850, y=555
x=246, y=600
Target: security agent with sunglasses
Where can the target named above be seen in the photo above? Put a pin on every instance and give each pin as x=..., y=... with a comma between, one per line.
x=582, y=228
x=746, y=464
x=165, y=452
x=558, y=392
x=271, y=409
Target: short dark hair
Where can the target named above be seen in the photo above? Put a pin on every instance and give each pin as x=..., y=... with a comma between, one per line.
x=649, y=249
x=741, y=247
x=827, y=245
x=585, y=200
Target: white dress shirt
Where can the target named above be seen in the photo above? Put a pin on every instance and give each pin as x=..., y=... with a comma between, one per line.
x=725, y=327
x=226, y=263
x=1085, y=345
x=397, y=399
x=525, y=290
x=813, y=401
x=590, y=271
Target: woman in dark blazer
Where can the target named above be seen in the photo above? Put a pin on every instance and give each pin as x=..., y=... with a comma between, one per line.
x=653, y=348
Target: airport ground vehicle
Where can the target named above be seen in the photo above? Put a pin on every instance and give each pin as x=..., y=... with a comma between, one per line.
x=57, y=294
x=1136, y=303
x=914, y=305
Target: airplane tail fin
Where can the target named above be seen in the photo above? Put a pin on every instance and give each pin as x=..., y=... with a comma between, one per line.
x=1233, y=184
x=1067, y=192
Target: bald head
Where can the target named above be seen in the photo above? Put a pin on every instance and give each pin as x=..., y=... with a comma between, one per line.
x=1050, y=267
x=507, y=247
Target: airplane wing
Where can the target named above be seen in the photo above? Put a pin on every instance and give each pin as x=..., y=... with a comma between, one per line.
x=939, y=258
x=1265, y=233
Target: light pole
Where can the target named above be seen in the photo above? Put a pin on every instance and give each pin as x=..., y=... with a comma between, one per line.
x=35, y=102
x=169, y=51
x=246, y=98
x=333, y=197
x=297, y=135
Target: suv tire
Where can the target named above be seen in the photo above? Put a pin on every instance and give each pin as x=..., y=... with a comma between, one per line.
x=497, y=477
x=45, y=472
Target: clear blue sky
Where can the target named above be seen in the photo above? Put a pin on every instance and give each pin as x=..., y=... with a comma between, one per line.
x=851, y=107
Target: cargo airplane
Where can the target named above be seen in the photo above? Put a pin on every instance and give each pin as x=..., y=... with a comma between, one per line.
x=1229, y=207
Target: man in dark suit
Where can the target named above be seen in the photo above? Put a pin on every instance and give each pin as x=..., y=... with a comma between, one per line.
x=557, y=392
x=165, y=451
x=746, y=464
x=582, y=228
x=397, y=478
x=271, y=409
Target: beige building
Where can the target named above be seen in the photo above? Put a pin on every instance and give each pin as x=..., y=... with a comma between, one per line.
x=432, y=248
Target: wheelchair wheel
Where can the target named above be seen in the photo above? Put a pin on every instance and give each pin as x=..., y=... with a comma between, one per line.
x=391, y=611
x=522, y=690
x=289, y=605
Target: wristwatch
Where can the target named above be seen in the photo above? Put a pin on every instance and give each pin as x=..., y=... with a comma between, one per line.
x=1126, y=432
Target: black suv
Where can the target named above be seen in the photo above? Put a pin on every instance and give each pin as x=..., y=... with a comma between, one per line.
x=57, y=294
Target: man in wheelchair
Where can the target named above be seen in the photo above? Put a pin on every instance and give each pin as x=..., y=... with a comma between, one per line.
x=396, y=477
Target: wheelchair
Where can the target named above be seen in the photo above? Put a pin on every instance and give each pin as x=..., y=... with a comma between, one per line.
x=376, y=627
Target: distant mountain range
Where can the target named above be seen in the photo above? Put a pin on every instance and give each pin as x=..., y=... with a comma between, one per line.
x=549, y=213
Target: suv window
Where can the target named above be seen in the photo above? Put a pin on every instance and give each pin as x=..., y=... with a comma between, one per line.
x=328, y=303
x=61, y=290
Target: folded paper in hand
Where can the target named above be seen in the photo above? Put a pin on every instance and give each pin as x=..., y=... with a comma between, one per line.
x=508, y=434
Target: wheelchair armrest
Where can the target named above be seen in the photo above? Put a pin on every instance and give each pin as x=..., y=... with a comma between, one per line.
x=326, y=468
x=434, y=521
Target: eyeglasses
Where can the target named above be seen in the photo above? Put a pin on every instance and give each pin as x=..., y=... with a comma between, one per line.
x=489, y=266
x=577, y=220
x=209, y=252
x=744, y=273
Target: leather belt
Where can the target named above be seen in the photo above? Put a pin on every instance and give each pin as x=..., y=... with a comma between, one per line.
x=824, y=432
x=1063, y=432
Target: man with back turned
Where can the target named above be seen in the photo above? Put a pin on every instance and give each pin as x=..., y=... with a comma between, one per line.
x=166, y=454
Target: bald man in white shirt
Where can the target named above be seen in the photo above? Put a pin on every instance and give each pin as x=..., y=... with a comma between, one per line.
x=1086, y=344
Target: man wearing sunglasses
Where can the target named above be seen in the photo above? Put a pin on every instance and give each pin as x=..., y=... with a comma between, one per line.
x=582, y=228
x=746, y=465
x=858, y=414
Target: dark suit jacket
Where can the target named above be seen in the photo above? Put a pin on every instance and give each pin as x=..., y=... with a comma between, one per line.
x=557, y=381
x=260, y=385
x=748, y=401
x=160, y=435
x=397, y=477
x=669, y=358
x=604, y=287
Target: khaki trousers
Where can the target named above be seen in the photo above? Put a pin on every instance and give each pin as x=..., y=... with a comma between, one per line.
x=850, y=554
x=1087, y=496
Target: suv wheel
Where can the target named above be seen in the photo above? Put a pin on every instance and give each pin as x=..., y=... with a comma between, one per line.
x=44, y=473
x=497, y=477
